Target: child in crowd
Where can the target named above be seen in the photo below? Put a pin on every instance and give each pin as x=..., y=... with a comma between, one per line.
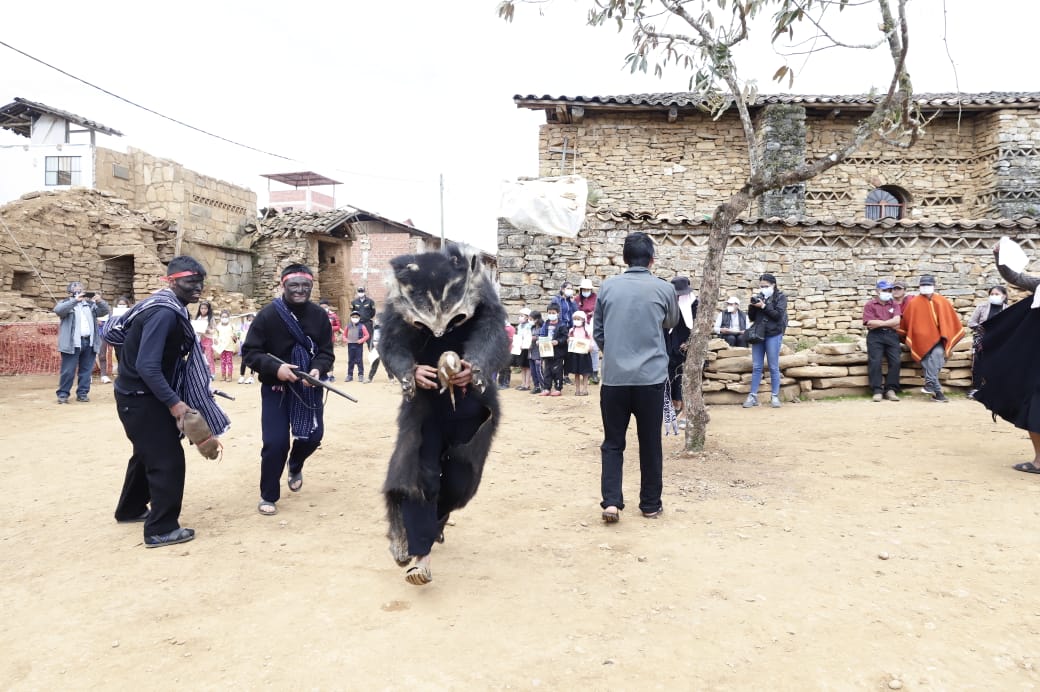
x=506, y=374
x=356, y=335
x=224, y=340
x=203, y=326
x=579, y=358
x=522, y=348
x=243, y=329
x=556, y=331
x=537, y=380
x=333, y=320
x=106, y=354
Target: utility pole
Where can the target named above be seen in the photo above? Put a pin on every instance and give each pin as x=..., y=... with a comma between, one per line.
x=442, y=210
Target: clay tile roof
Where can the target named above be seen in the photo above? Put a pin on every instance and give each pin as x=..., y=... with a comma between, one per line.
x=335, y=222
x=19, y=115
x=639, y=217
x=689, y=100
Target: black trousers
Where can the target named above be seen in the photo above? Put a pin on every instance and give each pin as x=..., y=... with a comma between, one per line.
x=883, y=344
x=155, y=472
x=617, y=406
x=554, y=368
x=274, y=427
x=443, y=480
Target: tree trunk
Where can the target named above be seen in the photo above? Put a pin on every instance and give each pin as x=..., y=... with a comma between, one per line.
x=697, y=349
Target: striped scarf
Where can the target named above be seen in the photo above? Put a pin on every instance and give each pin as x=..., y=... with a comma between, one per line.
x=671, y=425
x=305, y=400
x=191, y=377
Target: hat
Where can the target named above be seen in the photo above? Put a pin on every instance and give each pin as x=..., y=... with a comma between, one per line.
x=581, y=314
x=585, y=283
x=682, y=285
x=884, y=285
x=899, y=284
x=526, y=312
x=733, y=300
x=355, y=312
x=926, y=280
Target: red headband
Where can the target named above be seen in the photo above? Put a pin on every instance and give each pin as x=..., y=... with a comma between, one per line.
x=180, y=275
x=297, y=275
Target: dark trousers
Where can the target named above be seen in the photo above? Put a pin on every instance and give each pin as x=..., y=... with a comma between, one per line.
x=274, y=427
x=554, y=367
x=537, y=379
x=443, y=480
x=156, y=470
x=617, y=405
x=81, y=362
x=355, y=358
x=883, y=344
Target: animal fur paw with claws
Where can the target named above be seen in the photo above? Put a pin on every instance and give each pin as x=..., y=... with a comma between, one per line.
x=408, y=387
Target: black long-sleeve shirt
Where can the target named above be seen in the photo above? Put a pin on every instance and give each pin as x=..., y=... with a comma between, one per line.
x=268, y=334
x=154, y=343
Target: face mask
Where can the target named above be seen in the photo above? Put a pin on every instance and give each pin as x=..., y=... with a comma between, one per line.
x=586, y=294
x=767, y=291
x=120, y=310
x=996, y=300
x=927, y=290
x=225, y=320
x=884, y=296
x=578, y=323
x=568, y=292
x=731, y=308
x=552, y=318
x=355, y=320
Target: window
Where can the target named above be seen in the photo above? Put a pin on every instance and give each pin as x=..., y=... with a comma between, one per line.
x=887, y=202
x=62, y=170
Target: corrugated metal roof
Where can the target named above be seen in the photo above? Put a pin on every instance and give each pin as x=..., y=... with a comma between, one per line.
x=985, y=101
x=657, y=219
x=19, y=115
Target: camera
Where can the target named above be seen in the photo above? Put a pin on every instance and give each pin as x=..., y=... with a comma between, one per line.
x=758, y=298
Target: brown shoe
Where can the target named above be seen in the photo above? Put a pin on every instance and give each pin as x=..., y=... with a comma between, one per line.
x=891, y=396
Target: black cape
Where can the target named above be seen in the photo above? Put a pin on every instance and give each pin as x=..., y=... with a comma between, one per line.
x=1009, y=368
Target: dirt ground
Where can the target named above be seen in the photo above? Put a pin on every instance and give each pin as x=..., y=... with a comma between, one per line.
x=828, y=545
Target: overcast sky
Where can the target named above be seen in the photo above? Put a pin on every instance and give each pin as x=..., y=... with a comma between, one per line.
x=385, y=96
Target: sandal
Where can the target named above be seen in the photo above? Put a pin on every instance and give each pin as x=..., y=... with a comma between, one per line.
x=1026, y=467
x=418, y=575
x=296, y=478
x=267, y=508
x=611, y=515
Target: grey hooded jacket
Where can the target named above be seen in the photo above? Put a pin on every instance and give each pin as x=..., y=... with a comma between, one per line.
x=68, y=340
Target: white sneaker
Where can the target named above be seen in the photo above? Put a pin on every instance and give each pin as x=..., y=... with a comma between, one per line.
x=249, y=380
x=241, y=380
x=105, y=379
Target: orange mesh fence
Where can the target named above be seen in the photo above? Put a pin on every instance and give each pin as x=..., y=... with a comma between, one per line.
x=29, y=348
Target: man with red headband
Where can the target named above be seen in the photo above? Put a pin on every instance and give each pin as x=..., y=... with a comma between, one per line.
x=162, y=374
x=296, y=331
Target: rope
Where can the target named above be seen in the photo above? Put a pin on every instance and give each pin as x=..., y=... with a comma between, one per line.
x=28, y=259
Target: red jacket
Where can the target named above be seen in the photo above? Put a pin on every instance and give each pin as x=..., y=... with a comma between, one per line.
x=587, y=305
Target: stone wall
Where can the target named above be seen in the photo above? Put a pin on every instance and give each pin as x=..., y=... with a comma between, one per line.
x=82, y=235
x=966, y=165
x=827, y=271
x=209, y=213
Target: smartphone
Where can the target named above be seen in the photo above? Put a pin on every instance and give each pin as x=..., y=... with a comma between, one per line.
x=88, y=295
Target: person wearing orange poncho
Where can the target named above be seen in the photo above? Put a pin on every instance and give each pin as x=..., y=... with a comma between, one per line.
x=931, y=327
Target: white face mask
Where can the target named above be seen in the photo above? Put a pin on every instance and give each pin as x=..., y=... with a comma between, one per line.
x=731, y=308
x=355, y=320
x=579, y=322
x=586, y=294
x=120, y=310
x=568, y=292
x=884, y=296
x=996, y=300
x=552, y=318
x=225, y=320
x=927, y=290
x=767, y=291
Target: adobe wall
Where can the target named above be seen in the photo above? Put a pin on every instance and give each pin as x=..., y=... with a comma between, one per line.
x=82, y=235
x=371, y=254
x=828, y=272
x=210, y=213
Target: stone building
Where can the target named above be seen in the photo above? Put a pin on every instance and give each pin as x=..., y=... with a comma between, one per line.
x=658, y=163
x=208, y=215
x=348, y=247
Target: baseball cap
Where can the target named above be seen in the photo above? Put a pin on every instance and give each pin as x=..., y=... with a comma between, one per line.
x=927, y=280
x=526, y=312
x=884, y=285
x=733, y=300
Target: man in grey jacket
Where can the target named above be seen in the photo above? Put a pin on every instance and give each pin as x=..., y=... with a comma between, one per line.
x=78, y=339
x=632, y=313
